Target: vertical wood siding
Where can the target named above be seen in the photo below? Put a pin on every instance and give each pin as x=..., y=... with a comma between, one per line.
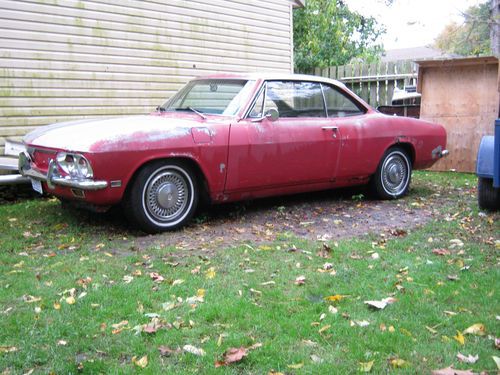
x=65, y=59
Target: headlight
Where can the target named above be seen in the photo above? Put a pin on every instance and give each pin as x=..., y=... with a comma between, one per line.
x=74, y=165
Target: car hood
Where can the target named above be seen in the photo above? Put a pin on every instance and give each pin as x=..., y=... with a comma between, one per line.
x=121, y=133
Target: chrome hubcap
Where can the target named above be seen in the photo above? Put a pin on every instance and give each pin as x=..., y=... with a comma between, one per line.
x=166, y=195
x=395, y=174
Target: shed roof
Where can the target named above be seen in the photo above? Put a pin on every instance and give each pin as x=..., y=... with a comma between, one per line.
x=460, y=61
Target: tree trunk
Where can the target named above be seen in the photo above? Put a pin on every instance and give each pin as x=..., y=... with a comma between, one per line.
x=495, y=27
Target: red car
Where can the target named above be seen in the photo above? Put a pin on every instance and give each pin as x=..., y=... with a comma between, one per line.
x=228, y=138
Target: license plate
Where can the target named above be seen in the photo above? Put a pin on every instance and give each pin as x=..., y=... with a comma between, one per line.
x=37, y=186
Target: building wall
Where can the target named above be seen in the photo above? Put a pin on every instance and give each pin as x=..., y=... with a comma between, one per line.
x=66, y=59
x=463, y=95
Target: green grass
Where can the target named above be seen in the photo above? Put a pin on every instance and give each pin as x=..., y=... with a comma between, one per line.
x=46, y=251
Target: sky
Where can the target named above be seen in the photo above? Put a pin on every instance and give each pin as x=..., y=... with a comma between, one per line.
x=412, y=23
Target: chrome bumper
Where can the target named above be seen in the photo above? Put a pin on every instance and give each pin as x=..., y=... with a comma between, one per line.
x=53, y=178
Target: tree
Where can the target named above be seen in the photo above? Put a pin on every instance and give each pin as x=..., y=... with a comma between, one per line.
x=327, y=33
x=470, y=38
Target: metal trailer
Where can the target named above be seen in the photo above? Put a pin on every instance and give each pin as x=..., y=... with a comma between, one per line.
x=488, y=170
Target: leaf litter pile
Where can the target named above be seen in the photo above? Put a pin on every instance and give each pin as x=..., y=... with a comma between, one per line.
x=306, y=286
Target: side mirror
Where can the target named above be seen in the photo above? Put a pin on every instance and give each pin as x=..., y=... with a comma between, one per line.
x=271, y=114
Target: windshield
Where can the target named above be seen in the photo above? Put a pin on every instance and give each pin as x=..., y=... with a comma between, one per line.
x=211, y=96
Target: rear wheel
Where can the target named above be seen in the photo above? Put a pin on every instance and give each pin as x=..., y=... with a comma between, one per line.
x=488, y=197
x=393, y=175
x=163, y=196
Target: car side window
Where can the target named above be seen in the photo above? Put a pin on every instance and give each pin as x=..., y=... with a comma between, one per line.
x=339, y=104
x=291, y=99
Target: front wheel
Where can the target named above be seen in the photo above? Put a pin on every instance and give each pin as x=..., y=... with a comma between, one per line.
x=393, y=175
x=488, y=197
x=163, y=196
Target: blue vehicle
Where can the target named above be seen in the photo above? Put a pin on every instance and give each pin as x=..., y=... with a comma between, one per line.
x=488, y=171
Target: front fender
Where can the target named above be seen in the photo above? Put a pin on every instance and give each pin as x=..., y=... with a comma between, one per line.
x=485, y=157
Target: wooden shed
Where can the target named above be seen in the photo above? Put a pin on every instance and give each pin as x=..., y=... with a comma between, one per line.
x=69, y=59
x=463, y=94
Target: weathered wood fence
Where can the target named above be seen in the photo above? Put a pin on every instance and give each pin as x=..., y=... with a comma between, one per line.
x=374, y=82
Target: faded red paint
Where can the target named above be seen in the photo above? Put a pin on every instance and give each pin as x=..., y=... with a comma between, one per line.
x=241, y=159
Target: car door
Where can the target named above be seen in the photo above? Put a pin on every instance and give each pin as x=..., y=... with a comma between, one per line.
x=300, y=147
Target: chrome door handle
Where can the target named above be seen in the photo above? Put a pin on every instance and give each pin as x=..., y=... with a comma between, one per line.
x=334, y=129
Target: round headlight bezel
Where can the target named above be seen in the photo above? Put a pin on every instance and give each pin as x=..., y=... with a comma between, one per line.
x=74, y=165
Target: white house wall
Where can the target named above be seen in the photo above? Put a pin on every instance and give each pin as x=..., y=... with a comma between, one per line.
x=65, y=59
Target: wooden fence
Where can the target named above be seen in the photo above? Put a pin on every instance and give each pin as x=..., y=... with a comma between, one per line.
x=374, y=82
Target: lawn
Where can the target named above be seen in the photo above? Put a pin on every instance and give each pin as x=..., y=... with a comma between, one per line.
x=77, y=296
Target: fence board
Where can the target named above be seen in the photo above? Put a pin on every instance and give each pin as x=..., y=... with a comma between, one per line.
x=374, y=82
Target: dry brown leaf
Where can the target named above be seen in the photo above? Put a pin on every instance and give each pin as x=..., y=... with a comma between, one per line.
x=232, y=355
x=8, y=349
x=441, y=252
x=477, y=329
x=156, y=277
x=296, y=366
x=451, y=371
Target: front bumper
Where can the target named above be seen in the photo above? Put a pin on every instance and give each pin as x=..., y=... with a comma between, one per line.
x=53, y=178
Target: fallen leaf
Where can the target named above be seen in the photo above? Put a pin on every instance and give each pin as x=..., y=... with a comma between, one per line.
x=316, y=359
x=193, y=350
x=70, y=300
x=57, y=305
x=497, y=343
x=381, y=304
x=296, y=366
x=497, y=361
x=128, y=279
x=467, y=359
x=477, y=329
x=301, y=280
x=441, y=252
x=165, y=351
x=62, y=343
x=332, y=309
x=31, y=299
x=453, y=277
x=177, y=282
x=334, y=298
x=324, y=328
x=156, y=277
x=366, y=366
x=210, y=273
x=451, y=371
x=8, y=349
x=460, y=338
x=398, y=363
x=141, y=362
x=359, y=323
x=232, y=355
